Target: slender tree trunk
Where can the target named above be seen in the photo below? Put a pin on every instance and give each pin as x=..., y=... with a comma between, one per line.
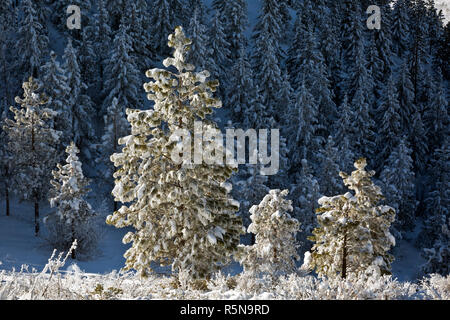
x=36, y=218
x=73, y=239
x=253, y=239
x=36, y=202
x=7, y=200
x=116, y=138
x=344, y=258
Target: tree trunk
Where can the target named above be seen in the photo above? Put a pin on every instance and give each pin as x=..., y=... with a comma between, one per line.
x=344, y=257
x=116, y=206
x=253, y=239
x=7, y=200
x=36, y=218
x=73, y=239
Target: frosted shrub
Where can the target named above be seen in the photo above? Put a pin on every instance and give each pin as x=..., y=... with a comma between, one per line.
x=436, y=287
x=53, y=283
x=275, y=248
x=73, y=218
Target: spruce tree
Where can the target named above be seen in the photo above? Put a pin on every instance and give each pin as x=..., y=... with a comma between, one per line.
x=241, y=100
x=55, y=85
x=435, y=235
x=122, y=75
x=200, y=53
x=406, y=96
x=134, y=19
x=304, y=193
x=353, y=233
x=182, y=212
x=436, y=117
x=6, y=42
x=73, y=214
x=250, y=189
x=267, y=58
x=165, y=15
x=303, y=127
x=329, y=169
x=399, y=184
x=33, y=145
x=32, y=42
x=102, y=33
x=116, y=126
x=344, y=132
x=220, y=53
x=401, y=32
x=78, y=103
x=236, y=22
x=390, y=126
x=306, y=64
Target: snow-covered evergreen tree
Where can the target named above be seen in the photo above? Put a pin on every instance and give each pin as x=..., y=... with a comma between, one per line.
x=304, y=194
x=275, y=248
x=134, y=19
x=236, y=21
x=220, y=53
x=303, y=127
x=251, y=189
x=241, y=100
x=406, y=96
x=116, y=126
x=122, y=78
x=329, y=180
x=344, y=134
x=390, y=127
x=165, y=15
x=32, y=42
x=307, y=65
x=438, y=256
x=55, y=85
x=438, y=197
x=200, y=53
x=354, y=230
x=436, y=117
x=182, y=212
x=419, y=146
x=267, y=58
x=102, y=32
x=398, y=179
x=6, y=61
x=435, y=236
x=116, y=8
x=78, y=103
x=33, y=145
x=73, y=214
x=400, y=27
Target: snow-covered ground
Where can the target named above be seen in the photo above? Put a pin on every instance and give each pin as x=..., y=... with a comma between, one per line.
x=19, y=246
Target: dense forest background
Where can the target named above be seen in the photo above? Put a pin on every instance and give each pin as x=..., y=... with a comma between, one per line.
x=336, y=89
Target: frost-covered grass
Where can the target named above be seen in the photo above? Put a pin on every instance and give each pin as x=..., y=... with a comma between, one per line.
x=53, y=284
